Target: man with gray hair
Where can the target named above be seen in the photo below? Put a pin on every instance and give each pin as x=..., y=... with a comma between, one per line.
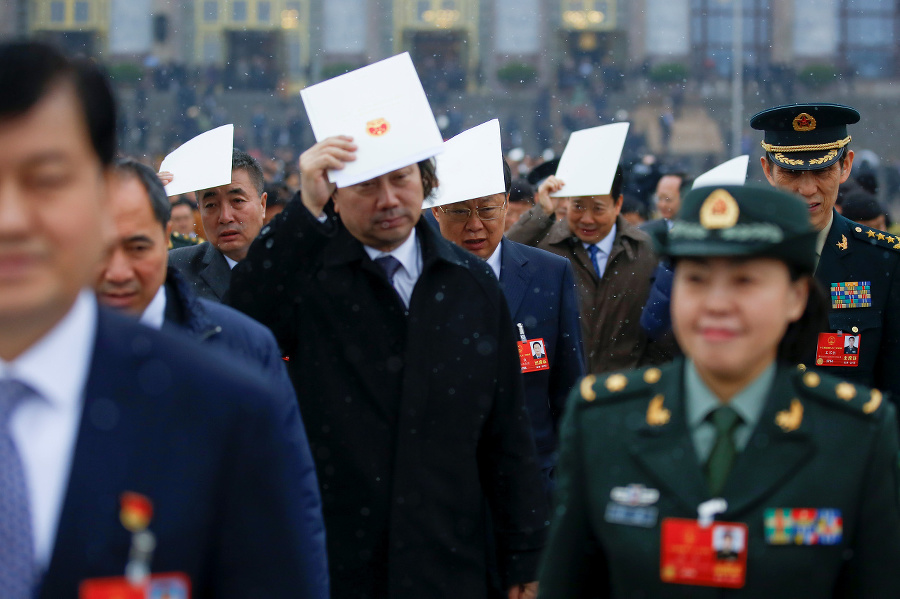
x=232, y=216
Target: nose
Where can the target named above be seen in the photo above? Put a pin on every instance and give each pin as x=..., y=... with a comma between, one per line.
x=806, y=184
x=226, y=214
x=118, y=269
x=14, y=219
x=474, y=222
x=719, y=297
x=387, y=195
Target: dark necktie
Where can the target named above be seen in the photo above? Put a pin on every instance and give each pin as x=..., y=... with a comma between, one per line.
x=726, y=421
x=389, y=265
x=16, y=542
x=594, y=253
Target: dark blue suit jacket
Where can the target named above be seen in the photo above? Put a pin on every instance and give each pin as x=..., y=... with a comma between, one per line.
x=540, y=290
x=205, y=268
x=224, y=460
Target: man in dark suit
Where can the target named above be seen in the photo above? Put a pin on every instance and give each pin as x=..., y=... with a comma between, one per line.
x=807, y=153
x=136, y=279
x=540, y=290
x=97, y=410
x=411, y=389
x=232, y=217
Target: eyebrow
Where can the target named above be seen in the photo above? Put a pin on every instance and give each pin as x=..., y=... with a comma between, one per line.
x=137, y=239
x=48, y=157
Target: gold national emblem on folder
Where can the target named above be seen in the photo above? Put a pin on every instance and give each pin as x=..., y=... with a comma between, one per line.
x=378, y=127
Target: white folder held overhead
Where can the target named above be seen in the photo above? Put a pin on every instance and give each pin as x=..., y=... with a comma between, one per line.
x=588, y=164
x=471, y=166
x=202, y=162
x=383, y=107
x=733, y=172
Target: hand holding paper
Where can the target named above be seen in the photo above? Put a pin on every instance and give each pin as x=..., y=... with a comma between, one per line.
x=202, y=162
x=329, y=154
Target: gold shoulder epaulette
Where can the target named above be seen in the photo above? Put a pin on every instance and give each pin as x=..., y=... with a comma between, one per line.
x=836, y=391
x=876, y=237
x=599, y=388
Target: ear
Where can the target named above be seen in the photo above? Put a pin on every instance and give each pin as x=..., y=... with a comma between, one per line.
x=169, y=226
x=798, y=296
x=767, y=170
x=618, y=205
x=848, y=166
x=262, y=200
x=436, y=212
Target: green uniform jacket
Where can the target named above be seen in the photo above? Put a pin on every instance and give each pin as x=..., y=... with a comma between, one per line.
x=820, y=443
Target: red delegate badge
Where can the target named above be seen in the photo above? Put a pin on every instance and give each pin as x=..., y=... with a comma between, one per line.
x=714, y=555
x=533, y=355
x=157, y=586
x=837, y=349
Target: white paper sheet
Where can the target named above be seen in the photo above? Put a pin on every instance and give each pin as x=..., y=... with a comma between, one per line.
x=588, y=164
x=202, y=162
x=733, y=172
x=383, y=107
x=471, y=166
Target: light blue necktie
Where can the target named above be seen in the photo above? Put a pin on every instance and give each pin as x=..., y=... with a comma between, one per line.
x=594, y=252
x=17, y=572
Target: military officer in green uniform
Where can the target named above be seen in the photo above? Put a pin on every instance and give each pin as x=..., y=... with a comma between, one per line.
x=731, y=471
x=807, y=152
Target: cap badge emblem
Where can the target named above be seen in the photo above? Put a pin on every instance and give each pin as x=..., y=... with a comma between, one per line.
x=719, y=211
x=804, y=122
x=378, y=127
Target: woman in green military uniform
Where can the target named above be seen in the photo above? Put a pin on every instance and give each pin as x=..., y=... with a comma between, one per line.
x=732, y=468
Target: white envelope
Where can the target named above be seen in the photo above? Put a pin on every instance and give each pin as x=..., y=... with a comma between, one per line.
x=733, y=172
x=383, y=107
x=202, y=162
x=471, y=166
x=588, y=164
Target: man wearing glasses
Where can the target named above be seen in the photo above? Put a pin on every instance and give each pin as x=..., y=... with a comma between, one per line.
x=613, y=261
x=540, y=290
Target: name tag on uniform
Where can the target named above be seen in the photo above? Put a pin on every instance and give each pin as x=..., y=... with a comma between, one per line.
x=851, y=294
x=712, y=556
x=173, y=585
x=803, y=526
x=838, y=349
x=533, y=355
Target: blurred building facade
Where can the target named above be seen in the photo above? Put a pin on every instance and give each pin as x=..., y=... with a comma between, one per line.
x=473, y=44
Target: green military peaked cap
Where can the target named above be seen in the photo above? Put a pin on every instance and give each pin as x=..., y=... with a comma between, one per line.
x=742, y=220
x=805, y=137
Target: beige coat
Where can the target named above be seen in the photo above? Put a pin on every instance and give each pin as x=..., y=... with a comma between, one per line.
x=610, y=307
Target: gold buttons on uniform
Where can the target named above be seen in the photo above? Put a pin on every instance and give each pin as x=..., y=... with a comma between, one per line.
x=811, y=379
x=616, y=382
x=652, y=375
x=845, y=391
x=855, y=329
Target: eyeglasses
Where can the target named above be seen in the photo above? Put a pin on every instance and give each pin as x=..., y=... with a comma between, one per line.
x=461, y=215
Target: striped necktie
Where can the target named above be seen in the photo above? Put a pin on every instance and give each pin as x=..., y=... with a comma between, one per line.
x=17, y=570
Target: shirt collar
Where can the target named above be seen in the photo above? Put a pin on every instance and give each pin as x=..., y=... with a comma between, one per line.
x=231, y=263
x=155, y=313
x=748, y=403
x=65, y=351
x=494, y=261
x=605, y=245
x=823, y=235
x=406, y=253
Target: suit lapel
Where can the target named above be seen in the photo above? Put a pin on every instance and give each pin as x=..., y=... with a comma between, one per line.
x=216, y=274
x=771, y=450
x=833, y=263
x=667, y=453
x=515, y=275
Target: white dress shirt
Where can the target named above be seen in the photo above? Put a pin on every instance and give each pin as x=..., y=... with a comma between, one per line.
x=494, y=260
x=605, y=246
x=231, y=263
x=45, y=426
x=822, y=236
x=155, y=313
x=409, y=254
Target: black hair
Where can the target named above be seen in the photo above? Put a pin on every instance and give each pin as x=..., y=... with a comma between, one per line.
x=428, y=170
x=162, y=209
x=802, y=334
x=861, y=205
x=616, y=190
x=30, y=70
x=507, y=175
x=183, y=201
x=243, y=160
x=629, y=205
x=521, y=191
